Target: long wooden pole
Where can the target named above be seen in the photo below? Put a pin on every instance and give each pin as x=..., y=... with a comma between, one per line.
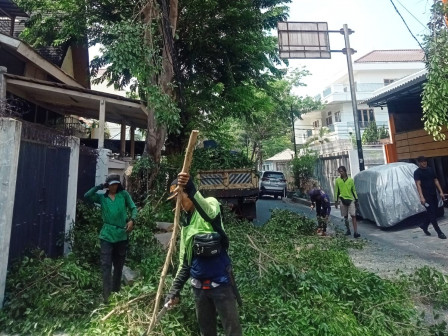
x=185, y=169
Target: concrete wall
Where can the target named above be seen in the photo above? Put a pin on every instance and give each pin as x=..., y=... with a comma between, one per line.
x=72, y=187
x=102, y=165
x=10, y=134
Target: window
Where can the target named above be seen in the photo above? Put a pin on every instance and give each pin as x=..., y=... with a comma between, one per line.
x=365, y=116
x=316, y=124
x=337, y=117
x=388, y=81
x=328, y=119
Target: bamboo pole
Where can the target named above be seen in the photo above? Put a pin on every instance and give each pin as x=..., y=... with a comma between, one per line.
x=185, y=169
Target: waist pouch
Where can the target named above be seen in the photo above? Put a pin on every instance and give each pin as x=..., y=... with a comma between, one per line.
x=346, y=202
x=207, y=244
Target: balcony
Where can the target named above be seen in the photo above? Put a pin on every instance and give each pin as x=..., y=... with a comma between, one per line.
x=341, y=92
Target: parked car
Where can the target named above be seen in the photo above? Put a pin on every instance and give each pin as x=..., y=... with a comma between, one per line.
x=388, y=195
x=272, y=183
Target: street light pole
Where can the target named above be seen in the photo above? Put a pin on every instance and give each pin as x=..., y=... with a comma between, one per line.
x=348, y=52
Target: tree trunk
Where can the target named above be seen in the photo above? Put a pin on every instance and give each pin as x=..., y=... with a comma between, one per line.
x=157, y=133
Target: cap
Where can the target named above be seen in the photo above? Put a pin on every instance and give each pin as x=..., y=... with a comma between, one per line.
x=113, y=179
x=173, y=191
x=421, y=159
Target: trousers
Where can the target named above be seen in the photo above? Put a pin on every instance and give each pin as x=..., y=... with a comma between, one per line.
x=217, y=301
x=112, y=254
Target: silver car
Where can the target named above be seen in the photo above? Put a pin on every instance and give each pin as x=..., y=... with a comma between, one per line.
x=272, y=183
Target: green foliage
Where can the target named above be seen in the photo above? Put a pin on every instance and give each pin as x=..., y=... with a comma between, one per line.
x=435, y=90
x=432, y=286
x=283, y=222
x=373, y=133
x=370, y=133
x=292, y=282
x=219, y=158
x=47, y=295
x=83, y=236
x=303, y=168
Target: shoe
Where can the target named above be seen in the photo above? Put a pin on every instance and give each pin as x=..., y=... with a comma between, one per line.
x=348, y=232
x=356, y=235
x=442, y=236
x=425, y=231
x=323, y=234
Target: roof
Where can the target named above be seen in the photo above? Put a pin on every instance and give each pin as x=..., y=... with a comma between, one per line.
x=285, y=155
x=72, y=100
x=400, y=55
x=24, y=50
x=11, y=9
x=410, y=85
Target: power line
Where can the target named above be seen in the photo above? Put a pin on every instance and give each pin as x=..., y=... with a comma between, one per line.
x=416, y=19
x=404, y=21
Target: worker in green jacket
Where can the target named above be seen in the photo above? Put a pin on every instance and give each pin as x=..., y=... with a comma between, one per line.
x=345, y=191
x=116, y=228
x=203, y=259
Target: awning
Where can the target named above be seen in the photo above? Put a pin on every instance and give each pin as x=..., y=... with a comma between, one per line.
x=70, y=100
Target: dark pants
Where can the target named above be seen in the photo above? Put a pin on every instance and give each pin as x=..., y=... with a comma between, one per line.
x=112, y=253
x=219, y=300
x=431, y=213
x=322, y=211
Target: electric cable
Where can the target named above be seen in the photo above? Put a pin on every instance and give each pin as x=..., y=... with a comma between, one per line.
x=415, y=18
x=405, y=23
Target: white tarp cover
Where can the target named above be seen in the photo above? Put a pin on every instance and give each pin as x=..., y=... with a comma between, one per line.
x=388, y=194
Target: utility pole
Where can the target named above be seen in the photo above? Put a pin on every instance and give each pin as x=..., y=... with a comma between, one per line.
x=348, y=52
x=307, y=40
x=293, y=134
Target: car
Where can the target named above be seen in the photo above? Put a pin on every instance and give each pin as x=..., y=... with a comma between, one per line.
x=388, y=195
x=272, y=183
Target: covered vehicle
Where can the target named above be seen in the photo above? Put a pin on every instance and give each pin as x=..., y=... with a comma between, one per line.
x=388, y=195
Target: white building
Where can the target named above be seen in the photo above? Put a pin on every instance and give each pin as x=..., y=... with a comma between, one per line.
x=371, y=72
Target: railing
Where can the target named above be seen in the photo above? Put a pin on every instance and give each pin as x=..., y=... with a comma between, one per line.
x=345, y=88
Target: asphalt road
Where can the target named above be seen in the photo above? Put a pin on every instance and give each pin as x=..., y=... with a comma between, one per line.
x=403, y=247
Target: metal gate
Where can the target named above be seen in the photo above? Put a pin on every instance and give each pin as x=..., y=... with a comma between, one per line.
x=41, y=194
x=86, y=170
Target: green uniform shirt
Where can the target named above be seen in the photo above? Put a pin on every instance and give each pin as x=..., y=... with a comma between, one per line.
x=210, y=205
x=345, y=189
x=113, y=213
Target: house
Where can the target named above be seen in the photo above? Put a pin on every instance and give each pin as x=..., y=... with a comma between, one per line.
x=373, y=71
x=403, y=100
x=44, y=96
x=281, y=162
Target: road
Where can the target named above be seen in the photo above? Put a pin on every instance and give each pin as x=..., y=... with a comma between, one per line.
x=404, y=247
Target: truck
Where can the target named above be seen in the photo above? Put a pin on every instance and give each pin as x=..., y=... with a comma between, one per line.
x=236, y=188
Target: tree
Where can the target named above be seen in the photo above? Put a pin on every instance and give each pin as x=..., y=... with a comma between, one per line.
x=435, y=90
x=373, y=133
x=303, y=168
x=320, y=138
x=223, y=50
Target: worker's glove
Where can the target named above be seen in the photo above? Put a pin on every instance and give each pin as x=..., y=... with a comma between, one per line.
x=190, y=188
x=173, y=298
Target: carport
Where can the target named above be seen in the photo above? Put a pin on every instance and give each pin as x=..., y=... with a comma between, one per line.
x=81, y=102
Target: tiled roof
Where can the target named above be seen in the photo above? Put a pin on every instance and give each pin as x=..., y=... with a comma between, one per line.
x=285, y=155
x=404, y=55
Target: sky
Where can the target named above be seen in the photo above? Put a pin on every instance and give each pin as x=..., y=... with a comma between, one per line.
x=376, y=25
